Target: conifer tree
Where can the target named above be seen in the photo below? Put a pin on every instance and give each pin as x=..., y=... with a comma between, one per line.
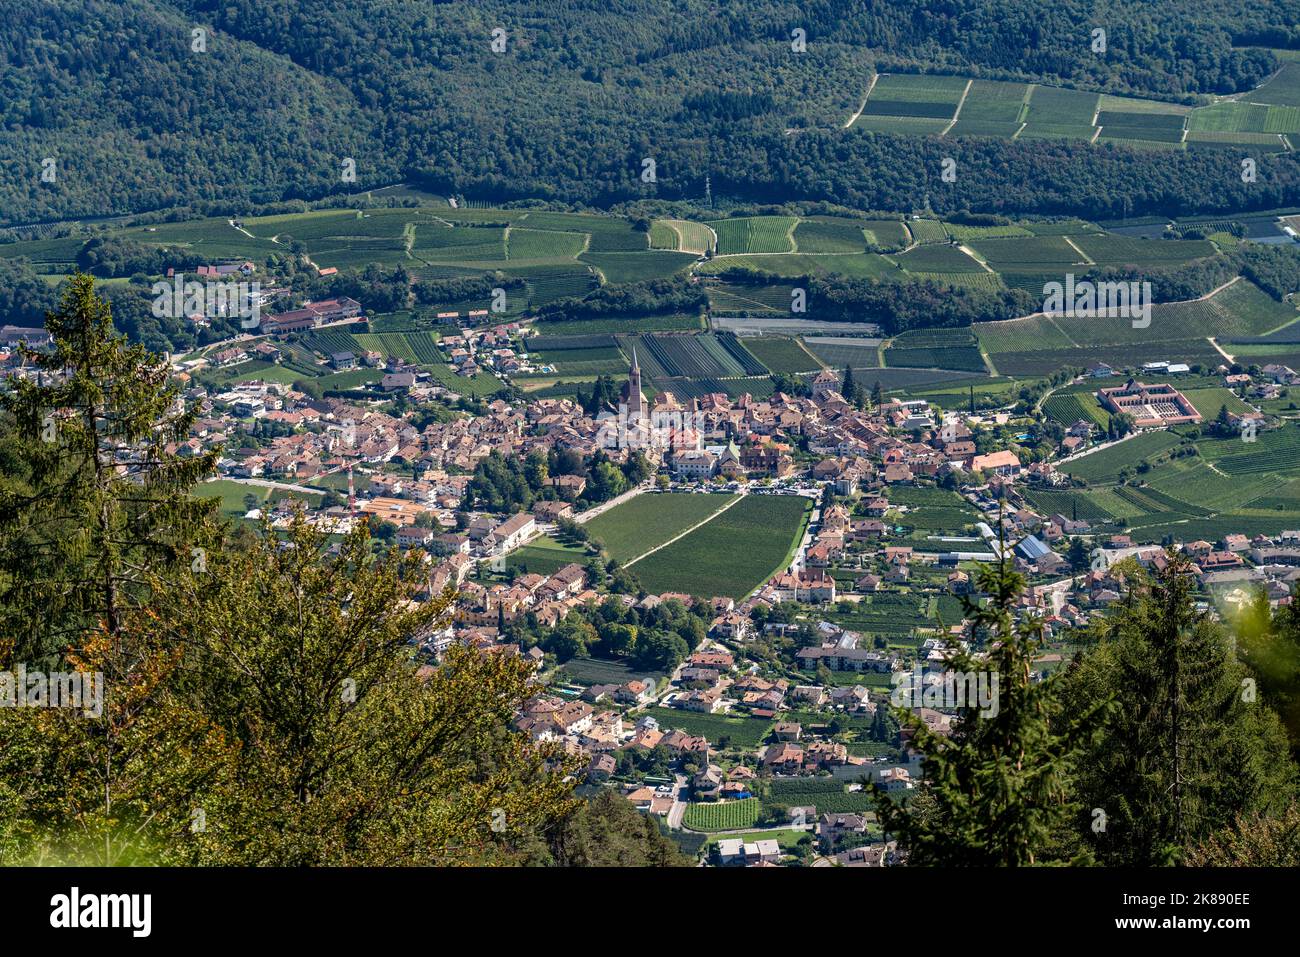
x=1189, y=745
x=94, y=500
x=995, y=791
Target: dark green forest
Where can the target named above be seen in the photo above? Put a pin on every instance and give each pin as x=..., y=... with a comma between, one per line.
x=283, y=91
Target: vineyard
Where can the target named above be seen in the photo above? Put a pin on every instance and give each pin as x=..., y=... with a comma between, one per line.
x=726, y=299
x=937, y=259
x=1272, y=451
x=638, y=267
x=722, y=816
x=1105, y=464
x=781, y=354
x=936, y=348
x=828, y=796
x=927, y=231
x=722, y=730
x=1068, y=409
x=757, y=535
x=887, y=234
x=754, y=234
x=543, y=244
x=840, y=352
x=824, y=234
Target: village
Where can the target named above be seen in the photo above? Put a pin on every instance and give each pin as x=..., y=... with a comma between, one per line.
x=754, y=726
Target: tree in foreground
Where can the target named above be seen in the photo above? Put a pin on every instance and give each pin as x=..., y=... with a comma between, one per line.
x=277, y=718
x=995, y=791
x=93, y=501
x=1190, y=745
x=348, y=753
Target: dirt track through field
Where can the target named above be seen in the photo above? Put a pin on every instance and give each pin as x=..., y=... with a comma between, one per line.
x=688, y=531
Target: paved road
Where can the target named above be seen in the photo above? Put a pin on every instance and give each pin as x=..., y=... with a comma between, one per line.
x=266, y=483
x=678, y=809
x=606, y=506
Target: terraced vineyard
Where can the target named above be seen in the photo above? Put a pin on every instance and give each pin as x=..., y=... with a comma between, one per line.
x=929, y=104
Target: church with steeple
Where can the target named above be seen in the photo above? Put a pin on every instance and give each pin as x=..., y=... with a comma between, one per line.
x=631, y=397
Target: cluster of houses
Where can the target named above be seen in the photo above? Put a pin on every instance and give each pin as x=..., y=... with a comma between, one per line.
x=413, y=472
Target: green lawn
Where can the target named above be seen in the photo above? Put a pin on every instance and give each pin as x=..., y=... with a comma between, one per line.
x=231, y=495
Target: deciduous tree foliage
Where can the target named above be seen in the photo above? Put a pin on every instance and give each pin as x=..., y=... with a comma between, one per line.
x=281, y=91
x=261, y=701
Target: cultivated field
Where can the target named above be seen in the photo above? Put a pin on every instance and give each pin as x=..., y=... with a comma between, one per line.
x=648, y=520
x=929, y=104
x=733, y=553
x=722, y=816
x=754, y=234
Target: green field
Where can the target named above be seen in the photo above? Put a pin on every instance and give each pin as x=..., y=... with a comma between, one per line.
x=230, y=494
x=683, y=235
x=545, y=556
x=1105, y=464
x=827, y=795
x=1178, y=331
x=722, y=730
x=648, y=520
x=781, y=354
x=794, y=265
x=1159, y=486
x=937, y=259
x=723, y=815
x=754, y=234
x=733, y=553
x=598, y=671
x=825, y=234
x=638, y=267
x=928, y=105
x=841, y=352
